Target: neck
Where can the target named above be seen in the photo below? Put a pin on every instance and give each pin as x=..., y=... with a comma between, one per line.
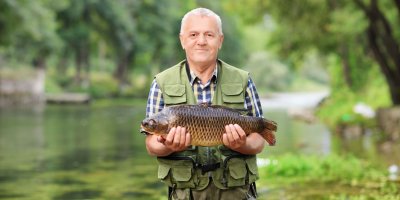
x=203, y=71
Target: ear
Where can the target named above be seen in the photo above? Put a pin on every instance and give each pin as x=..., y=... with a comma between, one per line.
x=221, y=40
x=182, y=41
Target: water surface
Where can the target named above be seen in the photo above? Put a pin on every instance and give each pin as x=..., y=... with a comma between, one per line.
x=96, y=152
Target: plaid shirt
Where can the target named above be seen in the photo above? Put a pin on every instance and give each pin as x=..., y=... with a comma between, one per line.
x=204, y=94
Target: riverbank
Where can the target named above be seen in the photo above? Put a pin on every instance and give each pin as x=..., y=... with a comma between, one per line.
x=21, y=87
x=294, y=100
x=303, y=177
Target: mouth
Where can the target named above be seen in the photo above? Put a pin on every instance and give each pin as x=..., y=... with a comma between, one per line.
x=143, y=131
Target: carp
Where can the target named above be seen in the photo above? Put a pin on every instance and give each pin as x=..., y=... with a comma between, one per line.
x=206, y=123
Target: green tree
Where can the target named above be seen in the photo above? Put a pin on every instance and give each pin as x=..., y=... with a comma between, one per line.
x=119, y=31
x=355, y=30
x=28, y=29
x=75, y=28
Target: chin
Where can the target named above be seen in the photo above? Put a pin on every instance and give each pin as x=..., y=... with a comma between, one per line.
x=202, y=59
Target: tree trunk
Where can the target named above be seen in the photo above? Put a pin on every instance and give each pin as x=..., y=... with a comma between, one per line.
x=82, y=64
x=62, y=65
x=384, y=46
x=345, y=65
x=39, y=62
x=78, y=67
x=122, y=67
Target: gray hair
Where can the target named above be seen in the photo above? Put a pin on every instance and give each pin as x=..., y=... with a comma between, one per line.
x=204, y=12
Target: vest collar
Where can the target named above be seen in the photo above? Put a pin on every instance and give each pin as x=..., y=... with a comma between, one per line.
x=192, y=76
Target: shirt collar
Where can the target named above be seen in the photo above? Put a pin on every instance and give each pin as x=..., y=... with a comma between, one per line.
x=192, y=76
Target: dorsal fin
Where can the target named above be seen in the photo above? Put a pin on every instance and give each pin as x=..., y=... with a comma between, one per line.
x=239, y=111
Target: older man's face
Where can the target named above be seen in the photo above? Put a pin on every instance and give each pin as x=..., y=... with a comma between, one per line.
x=201, y=39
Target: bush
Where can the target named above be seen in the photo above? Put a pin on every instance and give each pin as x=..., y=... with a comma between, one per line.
x=51, y=86
x=103, y=85
x=328, y=168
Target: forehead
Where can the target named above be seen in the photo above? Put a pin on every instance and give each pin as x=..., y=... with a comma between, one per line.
x=199, y=23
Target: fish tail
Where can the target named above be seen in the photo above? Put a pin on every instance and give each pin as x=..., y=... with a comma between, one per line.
x=269, y=136
x=269, y=132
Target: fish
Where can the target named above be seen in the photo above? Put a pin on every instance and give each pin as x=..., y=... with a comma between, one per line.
x=206, y=123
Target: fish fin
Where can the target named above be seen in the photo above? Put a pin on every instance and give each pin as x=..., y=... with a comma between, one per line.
x=240, y=111
x=204, y=104
x=270, y=125
x=269, y=136
x=269, y=132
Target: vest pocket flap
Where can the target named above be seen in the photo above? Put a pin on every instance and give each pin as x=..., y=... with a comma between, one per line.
x=252, y=165
x=176, y=90
x=182, y=173
x=163, y=171
x=237, y=168
x=174, y=94
x=232, y=89
x=232, y=93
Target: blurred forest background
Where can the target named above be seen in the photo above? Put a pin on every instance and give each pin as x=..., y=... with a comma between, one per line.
x=111, y=49
x=114, y=48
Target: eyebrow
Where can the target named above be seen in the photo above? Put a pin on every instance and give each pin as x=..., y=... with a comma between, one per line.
x=194, y=31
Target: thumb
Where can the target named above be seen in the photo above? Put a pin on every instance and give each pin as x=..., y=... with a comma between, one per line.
x=225, y=139
x=160, y=139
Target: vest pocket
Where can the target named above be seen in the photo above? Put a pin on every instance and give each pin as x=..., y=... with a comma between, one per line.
x=174, y=94
x=176, y=173
x=237, y=172
x=232, y=93
x=253, y=169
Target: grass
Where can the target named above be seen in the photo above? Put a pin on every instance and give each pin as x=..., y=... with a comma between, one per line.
x=325, y=177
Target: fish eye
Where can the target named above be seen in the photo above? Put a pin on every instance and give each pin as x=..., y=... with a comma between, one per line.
x=152, y=123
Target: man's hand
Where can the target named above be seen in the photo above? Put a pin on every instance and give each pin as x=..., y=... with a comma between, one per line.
x=177, y=139
x=235, y=137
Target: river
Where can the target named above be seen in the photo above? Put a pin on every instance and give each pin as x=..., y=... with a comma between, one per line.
x=96, y=151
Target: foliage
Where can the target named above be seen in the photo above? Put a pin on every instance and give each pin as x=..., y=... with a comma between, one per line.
x=329, y=168
x=51, y=86
x=103, y=85
x=358, y=178
x=126, y=34
x=268, y=71
x=30, y=29
x=284, y=45
x=338, y=107
x=358, y=32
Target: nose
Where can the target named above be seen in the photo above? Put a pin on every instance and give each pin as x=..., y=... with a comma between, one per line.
x=202, y=40
x=145, y=123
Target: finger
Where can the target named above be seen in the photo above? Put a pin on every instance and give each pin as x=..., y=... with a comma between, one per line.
x=229, y=134
x=225, y=139
x=240, y=131
x=170, y=137
x=160, y=139
x=188, y=139
x=235, y=134
x=183, y=137
x=177, y=138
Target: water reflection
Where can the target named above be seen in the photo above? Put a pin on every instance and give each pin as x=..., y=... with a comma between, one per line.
x=298, y=137
x=75, y=152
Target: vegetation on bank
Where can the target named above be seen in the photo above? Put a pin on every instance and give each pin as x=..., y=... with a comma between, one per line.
x=368, y=88
x=326, y=177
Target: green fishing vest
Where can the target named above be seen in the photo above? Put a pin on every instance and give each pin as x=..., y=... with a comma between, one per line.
x=181, y=169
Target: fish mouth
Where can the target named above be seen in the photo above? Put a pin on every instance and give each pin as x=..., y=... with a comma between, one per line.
x=143, y=131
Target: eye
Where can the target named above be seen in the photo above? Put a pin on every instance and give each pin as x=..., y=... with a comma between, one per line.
x=192, y=35
x=152, y=123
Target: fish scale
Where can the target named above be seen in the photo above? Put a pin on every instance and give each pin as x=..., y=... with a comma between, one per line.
x=206, y=124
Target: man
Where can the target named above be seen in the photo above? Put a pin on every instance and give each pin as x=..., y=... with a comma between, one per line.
x=227, y=171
